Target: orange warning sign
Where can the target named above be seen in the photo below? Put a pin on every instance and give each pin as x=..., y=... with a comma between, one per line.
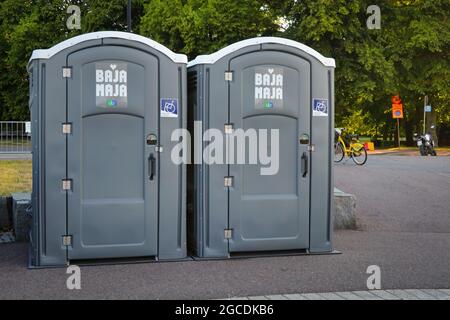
x=397, y=107
x=396, y=100
x=397, y=111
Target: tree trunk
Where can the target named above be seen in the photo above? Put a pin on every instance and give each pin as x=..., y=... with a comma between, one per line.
x=386, y=128
x=396, y=143
x=408, y=125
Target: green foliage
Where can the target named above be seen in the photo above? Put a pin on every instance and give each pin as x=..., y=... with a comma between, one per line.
x=98, y=15
x=409, y=56
x=360, y=123
x=33, y=24
x=199, y=27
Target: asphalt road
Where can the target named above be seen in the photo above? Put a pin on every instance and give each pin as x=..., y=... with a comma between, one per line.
x=398, y=193
x=404, y=215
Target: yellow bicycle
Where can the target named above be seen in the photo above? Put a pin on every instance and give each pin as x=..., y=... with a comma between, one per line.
x=355, y=150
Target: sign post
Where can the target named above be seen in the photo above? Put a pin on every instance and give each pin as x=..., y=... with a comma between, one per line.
x=397, y=113
x=425, y=102
x=426, y=108
x=129, y=16
x=398, y=132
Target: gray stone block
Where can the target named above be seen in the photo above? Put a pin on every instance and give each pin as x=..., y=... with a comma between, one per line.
x=402, y=294
x=5, y=220
x=330, y=296
x=22, y=218
x=349, y=296
x=276, y=297
x=257, y=298
x=367, y=295
x=294, y=296
x=313, y=296
x=6, y=237
x=345, y=210
x=420, y=294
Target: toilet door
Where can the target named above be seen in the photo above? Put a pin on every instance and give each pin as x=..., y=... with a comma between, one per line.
x=269, y=204
x=112, y=106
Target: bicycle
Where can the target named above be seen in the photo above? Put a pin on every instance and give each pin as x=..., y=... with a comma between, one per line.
x=355, y=150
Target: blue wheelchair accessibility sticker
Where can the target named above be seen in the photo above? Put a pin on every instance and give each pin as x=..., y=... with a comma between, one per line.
x=320, y=107
x=169, y=108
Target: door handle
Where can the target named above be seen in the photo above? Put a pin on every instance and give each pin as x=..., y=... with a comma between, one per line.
x=304, y=160
x=151, y=166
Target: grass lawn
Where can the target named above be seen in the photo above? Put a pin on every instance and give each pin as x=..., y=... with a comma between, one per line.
x=15, y=176
x=25, y=143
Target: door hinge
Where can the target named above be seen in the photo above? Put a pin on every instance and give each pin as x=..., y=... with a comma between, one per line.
x=67, y=184
x=159, y=149
x=228, y=181
x=67, y=240
x=67, y=72
x=228, y=233
x=228, y=75
x=228, y=128
x=312, y=148
x=67, y=128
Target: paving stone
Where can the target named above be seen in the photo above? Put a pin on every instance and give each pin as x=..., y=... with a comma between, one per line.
x=348, y=296
x=419, y=294
x=330, y=296
x=366, y=295
x=437, y=294
x=313, y=296
x=384, y=295
x=294, y=296
x=402, y=294
x=446, y=291
x=257, y=298
x=392, y=294
x=276, y=297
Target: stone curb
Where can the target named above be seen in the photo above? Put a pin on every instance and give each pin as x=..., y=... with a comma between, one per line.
x=5, y=217
x=403, y=294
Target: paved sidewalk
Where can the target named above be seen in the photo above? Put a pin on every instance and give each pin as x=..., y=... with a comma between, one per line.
x=407, y=151
x=408, y=294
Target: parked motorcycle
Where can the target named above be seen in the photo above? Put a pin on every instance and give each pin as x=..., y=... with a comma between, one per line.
x=425, y=143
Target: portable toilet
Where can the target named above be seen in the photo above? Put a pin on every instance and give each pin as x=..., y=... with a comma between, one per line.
x=271, y=84
x=103, y=106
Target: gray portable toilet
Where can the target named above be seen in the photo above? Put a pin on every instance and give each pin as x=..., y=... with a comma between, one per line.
x=263, y=83
x=103, y=106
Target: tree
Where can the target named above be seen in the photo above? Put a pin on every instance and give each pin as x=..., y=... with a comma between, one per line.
x=408, y=56
x=199, y=27
x=33, y=24
x=110, y=15
x=422, y=58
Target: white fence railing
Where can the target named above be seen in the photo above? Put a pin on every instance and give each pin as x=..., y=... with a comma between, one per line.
x=15, y=136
